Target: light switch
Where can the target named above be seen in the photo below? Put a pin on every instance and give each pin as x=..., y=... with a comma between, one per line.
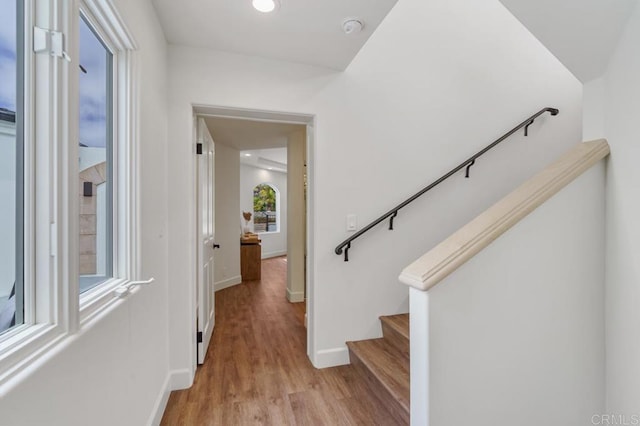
x=352, y=222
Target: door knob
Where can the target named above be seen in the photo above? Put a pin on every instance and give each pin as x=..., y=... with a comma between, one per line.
x=215, y=246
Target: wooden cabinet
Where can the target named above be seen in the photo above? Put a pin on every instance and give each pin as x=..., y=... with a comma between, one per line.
x=250, y=261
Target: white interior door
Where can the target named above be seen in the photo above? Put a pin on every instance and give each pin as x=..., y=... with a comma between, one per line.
x=206, y=238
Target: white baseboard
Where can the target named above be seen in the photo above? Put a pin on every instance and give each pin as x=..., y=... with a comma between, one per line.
x=271, y=254
x=229, y=282
x=161, y=403
x=295, y=296
x=331, y=357
x=180, y=379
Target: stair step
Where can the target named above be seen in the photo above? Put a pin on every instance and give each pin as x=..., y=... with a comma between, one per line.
x=395, y=328
x=385, y=369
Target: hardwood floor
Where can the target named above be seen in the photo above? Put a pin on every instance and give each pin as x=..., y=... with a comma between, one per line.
x=257, y=371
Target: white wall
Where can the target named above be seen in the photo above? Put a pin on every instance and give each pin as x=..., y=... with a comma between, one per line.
x=227, y=182
x=436, y=82
x=115, y=370
x=516, y=334
x=593, y=126
x=90, y=156
x=7, y=208
x=273, y=243
x=296, y=226
x=619, y=90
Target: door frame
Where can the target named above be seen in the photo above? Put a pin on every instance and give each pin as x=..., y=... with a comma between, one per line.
x=307, y=120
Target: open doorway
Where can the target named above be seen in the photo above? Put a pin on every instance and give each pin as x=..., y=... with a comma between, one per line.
x=262, y=152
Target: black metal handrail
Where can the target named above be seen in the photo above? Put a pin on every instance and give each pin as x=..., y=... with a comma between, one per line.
x=391, y=214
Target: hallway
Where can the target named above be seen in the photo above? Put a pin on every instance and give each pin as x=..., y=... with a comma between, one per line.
x=257, y=371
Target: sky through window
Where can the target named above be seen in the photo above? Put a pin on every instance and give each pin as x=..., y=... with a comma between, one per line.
x=8, y=54
x=93, y=82
x=93, y=88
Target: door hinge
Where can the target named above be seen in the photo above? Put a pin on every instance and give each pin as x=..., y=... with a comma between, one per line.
x=199, y=337
x=198, y=148
x=51, y=42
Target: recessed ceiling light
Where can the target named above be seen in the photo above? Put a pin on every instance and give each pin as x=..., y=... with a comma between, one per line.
x=246, y=154
x=265, y=6
x=270, y=168
x=352, y=25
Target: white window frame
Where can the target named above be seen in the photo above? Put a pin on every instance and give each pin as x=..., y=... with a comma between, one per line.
x=44, y=306
x=53, y=307
x=106, y=23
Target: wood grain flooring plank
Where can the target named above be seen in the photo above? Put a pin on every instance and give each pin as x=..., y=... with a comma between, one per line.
x=257, y=371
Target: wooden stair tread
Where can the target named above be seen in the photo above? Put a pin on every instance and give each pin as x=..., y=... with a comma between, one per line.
x=387, y=364
x=395, y=330
x=399, y=322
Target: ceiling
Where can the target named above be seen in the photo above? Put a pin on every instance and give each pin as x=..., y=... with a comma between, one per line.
x=582, y=34
x=270, y=159
x=304, y=31
x=245, y=135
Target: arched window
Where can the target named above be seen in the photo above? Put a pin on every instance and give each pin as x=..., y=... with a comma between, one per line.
x=266, y=213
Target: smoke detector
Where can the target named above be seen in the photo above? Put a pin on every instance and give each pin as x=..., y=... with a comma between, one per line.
x=352, y=26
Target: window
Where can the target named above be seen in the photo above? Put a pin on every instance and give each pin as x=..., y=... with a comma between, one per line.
x=11, y=166
x=72, y=175
x=266, y=199
x=96, y=160
x=106, y=232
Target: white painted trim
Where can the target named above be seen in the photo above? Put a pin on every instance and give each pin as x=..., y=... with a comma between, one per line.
x=105, y=19
x=45, y=345
x=192, y=289
x=419, y=354
x=331, y=357
x=311, y=258
x=295, y=296
x=27, y=349
x=111, y=23
x=47, y=312
x=180, y=379
x=229, y=282
x=267, y=116
x=271, y=254
x=161, y=403
x=253, y=114
x=465, y=243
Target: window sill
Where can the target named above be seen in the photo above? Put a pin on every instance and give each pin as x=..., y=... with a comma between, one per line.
x=96, y=300
x=89, y=282
x=24, y=345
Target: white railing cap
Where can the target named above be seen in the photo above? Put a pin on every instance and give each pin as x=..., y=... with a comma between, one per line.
x=446, y=257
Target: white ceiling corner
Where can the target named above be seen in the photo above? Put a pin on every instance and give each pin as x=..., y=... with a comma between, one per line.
x=582, y=34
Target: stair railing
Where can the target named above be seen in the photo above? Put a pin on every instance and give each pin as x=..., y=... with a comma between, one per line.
x=391, y=214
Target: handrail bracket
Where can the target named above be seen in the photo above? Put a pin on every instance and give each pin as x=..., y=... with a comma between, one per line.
x=391, y=220
x=466, y=174
x=526, y=128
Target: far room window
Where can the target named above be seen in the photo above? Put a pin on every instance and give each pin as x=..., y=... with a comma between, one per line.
x=265, y=208
x=11, y=167
x=96, y=159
